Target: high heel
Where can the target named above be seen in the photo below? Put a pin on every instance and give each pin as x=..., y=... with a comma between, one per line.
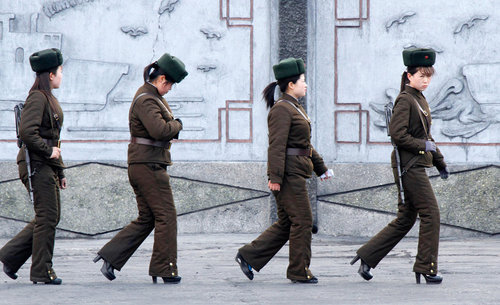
x=429, y=279
x=167, y=280
x=244, y=266
x=364, y=269
x=107, y=269
x=56, y=281
x=10, y=273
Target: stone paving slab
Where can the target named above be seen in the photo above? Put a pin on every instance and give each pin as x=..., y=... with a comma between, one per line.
x=471, y=270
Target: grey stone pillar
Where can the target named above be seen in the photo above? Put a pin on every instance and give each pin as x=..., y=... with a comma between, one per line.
x=293, y=30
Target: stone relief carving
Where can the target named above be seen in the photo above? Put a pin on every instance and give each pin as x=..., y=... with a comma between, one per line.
x=466, y=112
x=206, y=68
x=134, y=31
x=167, y=6
x=415, y=45
x=402, y=19
x=469, y=24
x=50, y=8
x=211, y=34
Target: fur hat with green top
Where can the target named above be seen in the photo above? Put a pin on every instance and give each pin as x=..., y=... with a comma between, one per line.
x=418, y=57
x=173, y=67
x=46, y=59
x=289, y=67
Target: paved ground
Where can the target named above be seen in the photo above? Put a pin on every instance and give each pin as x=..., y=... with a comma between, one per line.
x=471, y=270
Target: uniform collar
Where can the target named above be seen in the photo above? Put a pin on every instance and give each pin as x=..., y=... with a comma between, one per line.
x=413, y=91
x=150, y=88
x=290, y=98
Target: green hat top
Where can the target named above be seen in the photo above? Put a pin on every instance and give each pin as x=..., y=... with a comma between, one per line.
x=46, y=59
x=173, y=67
x=289, y=67
x=418, y=57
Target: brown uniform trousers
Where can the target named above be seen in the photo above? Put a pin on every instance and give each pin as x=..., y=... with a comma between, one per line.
x=294, y=224
x=419, y=199
x=156, y=207
x=410, y=128
x=37, y=237
x=289, y=127
x=150, y=117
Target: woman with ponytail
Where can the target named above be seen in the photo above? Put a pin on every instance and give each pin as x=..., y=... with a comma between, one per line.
x=410, y=130
x=40, y=127
x=291, y=160
x=152, y=128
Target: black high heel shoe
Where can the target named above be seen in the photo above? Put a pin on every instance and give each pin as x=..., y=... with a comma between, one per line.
x=168, y=279
x=429, y=279
x=107, y=269
x=312, y=280
x=9, y=272
x=364, y=269
x=245, y=267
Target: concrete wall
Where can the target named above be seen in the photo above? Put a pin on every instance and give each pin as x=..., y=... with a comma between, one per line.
x=353, y=54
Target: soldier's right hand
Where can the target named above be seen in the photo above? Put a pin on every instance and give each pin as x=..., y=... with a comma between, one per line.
x=273, y=186
x=56, y=153
x=430, y=146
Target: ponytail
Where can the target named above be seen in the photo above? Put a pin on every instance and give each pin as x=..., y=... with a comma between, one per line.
x=268, y=94
x=151, y=76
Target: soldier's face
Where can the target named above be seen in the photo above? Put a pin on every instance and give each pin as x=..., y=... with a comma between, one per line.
x=55, y=79
x=419, y=80
x=163, y=85
x=299, y=89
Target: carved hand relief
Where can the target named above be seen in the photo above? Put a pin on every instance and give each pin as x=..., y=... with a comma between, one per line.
x=210, y=34
x=167, y=6
x=400, y=20
x=206, y=68
x=134, y=31
x=466, y=112
x=50, y=8
x=469, y=24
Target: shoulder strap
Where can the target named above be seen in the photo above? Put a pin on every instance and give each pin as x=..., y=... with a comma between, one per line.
x=156, y=99
x=422, y=111
x=303, y=115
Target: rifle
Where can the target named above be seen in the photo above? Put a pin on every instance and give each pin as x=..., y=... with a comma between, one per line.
x=17, y=112
x=388, y=112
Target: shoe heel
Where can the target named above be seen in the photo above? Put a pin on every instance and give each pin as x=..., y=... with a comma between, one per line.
x=155, y=279
x=355, y=259
x=97, y=258
x=417, y=277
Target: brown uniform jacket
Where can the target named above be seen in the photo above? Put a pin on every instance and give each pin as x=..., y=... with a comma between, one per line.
x=147, y=119
x=289, y=129
x=39, y=121
x=408, y=133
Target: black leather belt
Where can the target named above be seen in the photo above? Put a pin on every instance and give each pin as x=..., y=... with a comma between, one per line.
x=52, y=143
x=299, y=152
x=146, y=141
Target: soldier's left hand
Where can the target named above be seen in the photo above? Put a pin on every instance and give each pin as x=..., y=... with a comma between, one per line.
x=444, y=173
x=64, y=183
x=327, y=175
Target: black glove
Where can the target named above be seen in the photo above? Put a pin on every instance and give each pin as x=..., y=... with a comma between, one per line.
x=430, y=146
x=179, y=120
x=444, y=173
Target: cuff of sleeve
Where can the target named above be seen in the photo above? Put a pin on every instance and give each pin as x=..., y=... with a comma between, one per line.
x=320, y=171
x=275, y=179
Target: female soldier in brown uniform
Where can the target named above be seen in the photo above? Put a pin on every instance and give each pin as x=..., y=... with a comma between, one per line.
x=410, y=130
x=291, y=159
x=152, y=127
x=41, y=122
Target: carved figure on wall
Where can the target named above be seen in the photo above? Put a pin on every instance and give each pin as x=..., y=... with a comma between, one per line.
x=470, y=23
x=167, y=6
x=400, y=20
x=134, y=31
x=211, y=34
x=207, y=68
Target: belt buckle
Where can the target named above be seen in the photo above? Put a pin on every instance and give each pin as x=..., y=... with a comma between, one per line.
x=310, y=152
x=169, y=145
x=59, y=143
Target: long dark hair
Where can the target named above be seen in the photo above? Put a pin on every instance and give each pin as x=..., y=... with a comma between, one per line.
x=42, y=83
x=427, y=71
x=157, y=71
x=268, y=92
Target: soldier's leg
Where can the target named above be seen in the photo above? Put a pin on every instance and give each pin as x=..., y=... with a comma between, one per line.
x=17, y=251
x=261, y=250
x=296, y=204
x=381, y=244
x=121, y=247
x=45, y=192
x=161, y=201
x=425, y=202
